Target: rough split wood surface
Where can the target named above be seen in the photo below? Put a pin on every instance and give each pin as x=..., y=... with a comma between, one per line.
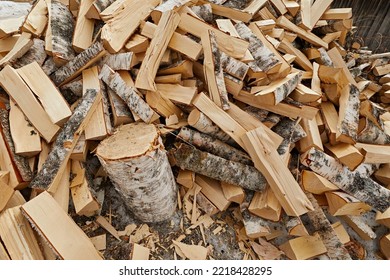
x=265, y=120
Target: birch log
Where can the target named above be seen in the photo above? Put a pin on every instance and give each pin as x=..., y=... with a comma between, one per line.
x=136, y=162
x=213, y=146
x=65, y=142
x=265, y=59
x=235, y=173
x=320, y=224
x=355, y=183
x=62, y=27
x=369, y=133
x=35, y=53
x=128, y=94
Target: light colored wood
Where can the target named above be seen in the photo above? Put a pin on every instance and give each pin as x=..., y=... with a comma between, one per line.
x=183, y=67
x=178, y=42
x=205, y=204
x=384, y=244
x=383, y=218
x=374, y=153
x=162, y=105
x=304, y=247
x=127, y=20
x=18, y=90
x=341, y=232
x=172, y=79
x=317, y=10
x=381, y=70
x=266, y=205
x=99, y=242
x=281, y=181
x=62, y=193
x=18, y=236
x=139, y=252
x=305, y=94
x=277, y=90
x=186, y=178
x=360, y=226
x=26, y=139
x=96, y=128
x=347, y=154
x=313, y=137
x=305, y=13
x=383, y=174
x=3, y=253
x=192, y=252
x=337, y=13
x=107, y=226
x=155, y=52
x=233, y=193
x=83, y=31
x=49, y=96
x=177, y=93
x=300, y=57
x=212, y=190
x=338, y=61
x=6, y=192
x=316, y=184
x=330, y=118
x=137, y=43
x=68, y=241
x=84, y=201
x=21, y=46
x=7, y=43
x=283, y=109
x=232, y=46
x=4, y=176
x=341, y=204
x=292, y=6
x=220, y=117
x=248, y=122
x=80, y=151
x=303, y=34
x=36, y=20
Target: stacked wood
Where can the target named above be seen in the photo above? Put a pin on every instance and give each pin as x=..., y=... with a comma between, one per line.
x=268, y=108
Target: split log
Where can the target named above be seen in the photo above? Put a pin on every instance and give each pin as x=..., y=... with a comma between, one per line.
x=170, y=5
x=35, y=53
x=355, y=183
x=320, y=224
x=97, y=7
x=295, y=227
x=19, y=161
x=128, y=94
x=120, y=61
x=140, y=172
x=62, y=26
x=18, y=236
x=385, y=246
x=358, y=224
x=266, y=205
x=12, y=16
x=51, y=171
x=190, y=158
x=348, y=122
x=213, y=146
x=213, y=191
x=69, y=242
x=213, y=70
x=203, y=123
x=341, y=203
x=255, y=226
x=127, y=20
x=21, y=46
x=347, y=154
x=265, y=59
x=316, y=184
x=74, y=67
x=304, y=247
x=36, y=20
x=369, y=133
x=282, y=183
x=6, y=192
x=83, y=31
x=154, y=54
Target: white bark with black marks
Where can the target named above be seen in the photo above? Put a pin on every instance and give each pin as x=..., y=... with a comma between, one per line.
x=128, y=94
x=348, y=122
x=371, y=133
x=62, y=146
x=214, y=146
x=355, y=183
x=190, y=158
x=265, y=59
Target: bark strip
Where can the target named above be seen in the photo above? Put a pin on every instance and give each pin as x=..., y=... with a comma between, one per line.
x=190, y=158
x=355, y=183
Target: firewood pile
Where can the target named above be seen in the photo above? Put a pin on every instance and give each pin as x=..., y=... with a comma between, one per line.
x=260, y=119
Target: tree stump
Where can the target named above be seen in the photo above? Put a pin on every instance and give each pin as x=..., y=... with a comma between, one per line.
x=136, y=162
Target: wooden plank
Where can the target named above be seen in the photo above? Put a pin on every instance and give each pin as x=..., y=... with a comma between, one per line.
x=232, y=46
x=26, y=139
x=83, y=31
x=269, y=163
x=18, y=90
x=18, y=236
x=178, y=42
x=212, y=190
x=127, y=21
x=49, y=96
x=154, y=54
x=303, y=34
x=68, y=241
